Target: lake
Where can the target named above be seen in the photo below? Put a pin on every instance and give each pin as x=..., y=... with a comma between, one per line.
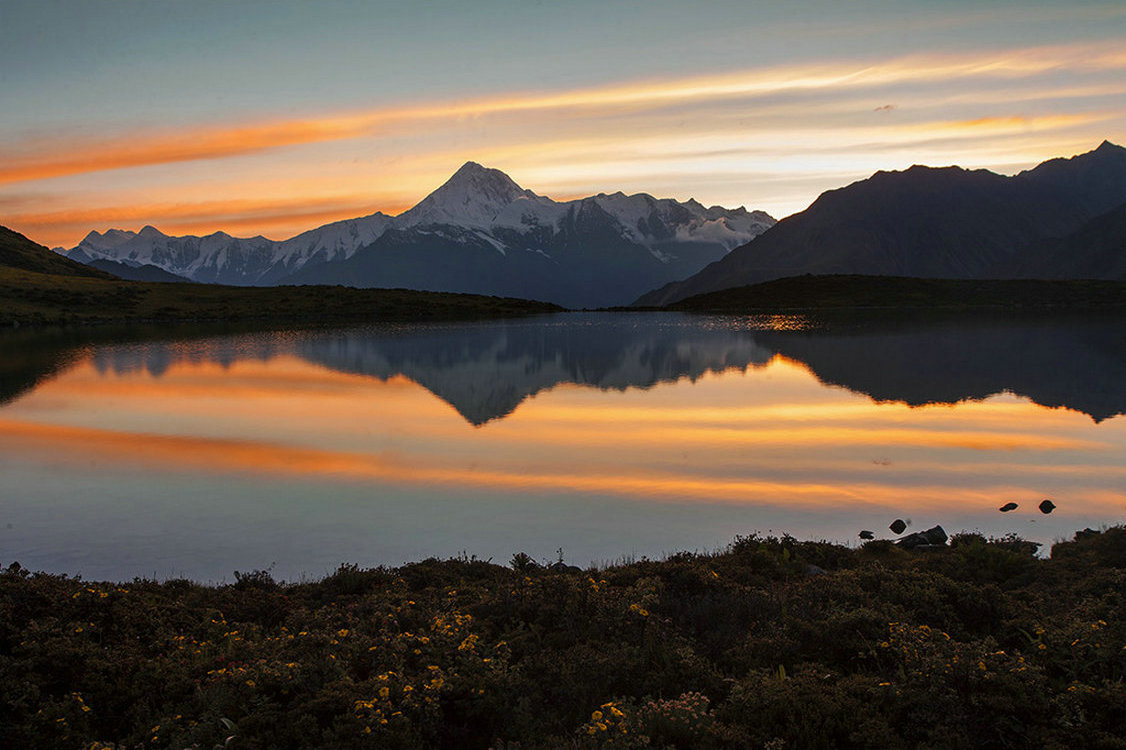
x=591, y=436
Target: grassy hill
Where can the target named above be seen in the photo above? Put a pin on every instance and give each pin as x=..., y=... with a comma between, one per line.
x=17, y=251
x=39, y=287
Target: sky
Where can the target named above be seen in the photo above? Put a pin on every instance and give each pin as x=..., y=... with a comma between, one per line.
x=275, y=117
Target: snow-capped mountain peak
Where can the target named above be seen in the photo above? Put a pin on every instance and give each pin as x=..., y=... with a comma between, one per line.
x=111, y=238
x=479, y=232
x=648, y=220
x=473, y=197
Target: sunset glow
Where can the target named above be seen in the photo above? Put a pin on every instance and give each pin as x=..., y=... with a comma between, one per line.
x=762, y=124
x=565, y=373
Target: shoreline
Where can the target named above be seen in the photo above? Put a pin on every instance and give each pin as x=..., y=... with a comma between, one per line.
x=559, y=563
x=36, y=300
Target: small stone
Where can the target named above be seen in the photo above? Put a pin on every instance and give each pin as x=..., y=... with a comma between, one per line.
x=1007, y=507
x=1047, y=506
x=865, y=534
x=898, y=526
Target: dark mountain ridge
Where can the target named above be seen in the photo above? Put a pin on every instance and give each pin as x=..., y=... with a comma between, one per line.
x=928, y=222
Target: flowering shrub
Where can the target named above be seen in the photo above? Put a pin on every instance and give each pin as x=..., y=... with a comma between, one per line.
x=685, y=721
x=610, y=726
x=740, y=648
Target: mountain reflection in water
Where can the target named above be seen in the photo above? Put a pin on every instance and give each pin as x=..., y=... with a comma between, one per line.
x=486, y=370
x=604, y=434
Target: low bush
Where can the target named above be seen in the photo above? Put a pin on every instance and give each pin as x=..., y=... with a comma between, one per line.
x=771, y=643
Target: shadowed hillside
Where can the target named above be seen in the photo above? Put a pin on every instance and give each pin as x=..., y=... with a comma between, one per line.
x=39, y=287
x=17, y=251
x=146, y=272
x=946, y=223
x=1096, y=251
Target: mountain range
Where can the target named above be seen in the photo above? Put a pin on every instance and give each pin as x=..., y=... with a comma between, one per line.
x=480, y=233
x=1064, y=219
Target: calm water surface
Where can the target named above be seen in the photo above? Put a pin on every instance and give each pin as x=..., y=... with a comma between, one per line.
x=601, y=435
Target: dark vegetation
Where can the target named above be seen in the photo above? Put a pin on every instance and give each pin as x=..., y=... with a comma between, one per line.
x=40, y=287
x=843, y=292
x=772, y=643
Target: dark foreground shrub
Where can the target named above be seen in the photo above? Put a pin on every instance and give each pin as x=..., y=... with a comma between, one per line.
x=771, y=643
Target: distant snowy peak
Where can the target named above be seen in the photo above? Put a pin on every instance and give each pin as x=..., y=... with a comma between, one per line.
x=106, y=242
x=477, y=197
x=215, y=258
x=101, y=246
x=335, y=241
x=473, y=197
x=476, y=207
x=648, y=220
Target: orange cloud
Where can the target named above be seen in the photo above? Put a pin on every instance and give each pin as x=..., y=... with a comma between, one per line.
x=40, y=161
x=284, y=217
x=137, y=150
x=979, y=125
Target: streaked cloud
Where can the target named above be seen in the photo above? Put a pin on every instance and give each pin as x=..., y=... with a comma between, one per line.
x=32, y=161
x=205, y=216
x=749, y=137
